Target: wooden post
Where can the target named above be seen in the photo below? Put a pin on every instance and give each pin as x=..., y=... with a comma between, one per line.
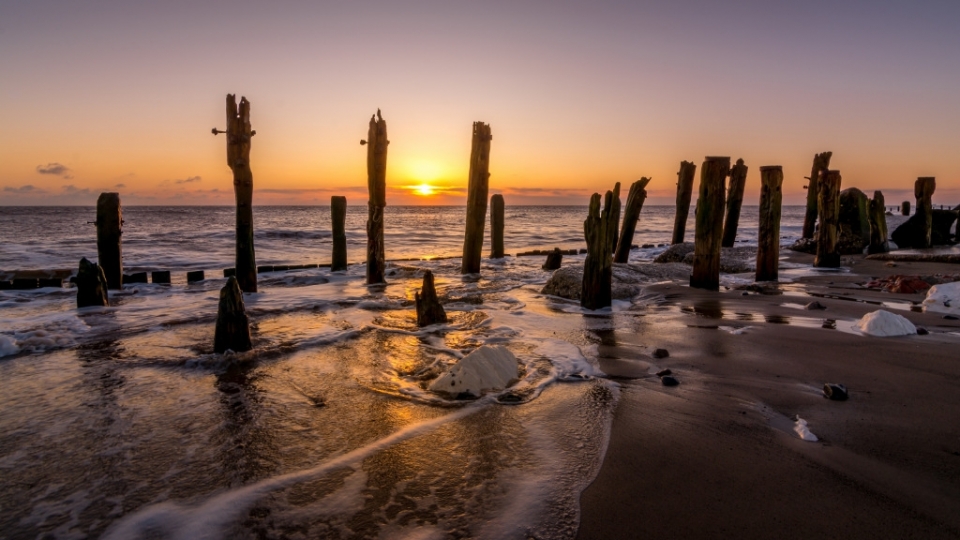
x=905, y=208
x=597, y=285
x=233, y=326
x=109, y=229
x=377, y=186
x=684, y=193
x=706, y=253
x=238, y=158
x=429, y=309
x=496, y=226
x=821, y=162
x=878, y=225
x=768, y=237
x=477, y=188
x=615, y=216
x=338, y=213
x=554, y=260
x=91, y=285
x=738, y=180
x=923, y=190
x=828, y=208
x=631, y=214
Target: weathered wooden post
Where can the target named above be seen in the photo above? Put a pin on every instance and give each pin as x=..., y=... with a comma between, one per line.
x=738, y=180
x=905, y=208
x=554, y=260
x=768, y=237
x=233, y=326
x=429, y=309
x=596, y=287
x=684, y=193
x=821, y=162
x=377, y=186
x=615, y=216
x=338, y=213
x=496, y=226
x=631, y=214
x=109, y=229
x=477, y=188
x=706, y=251
x=878, y=225
x=923, y=190
x=828, y=208
x=91, y=285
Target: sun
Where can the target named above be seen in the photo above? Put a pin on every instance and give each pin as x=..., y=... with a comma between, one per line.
x=424, y=190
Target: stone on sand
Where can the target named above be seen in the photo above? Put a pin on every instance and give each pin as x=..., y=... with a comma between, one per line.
x=943, y=298
x=882, y=323
x=490, y=367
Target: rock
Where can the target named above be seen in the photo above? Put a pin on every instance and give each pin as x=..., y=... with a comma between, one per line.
x=951, y=317
x=910, y=233
x=91, y=285
x=429, y=309
x=853, y=222
x=882, y=323
x=660, y=353
x=668, y=380
x=921, y=331
x=568, y=281
x=233, y=326
x=554, y=259
x=835, y=392
x=664, y=373
x=769, y=290
x=486, y=368
x=804, y=245
x=675, y=253
x=814, y=305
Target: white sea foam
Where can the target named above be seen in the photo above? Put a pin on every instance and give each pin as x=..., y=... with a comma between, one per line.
x=8, y=346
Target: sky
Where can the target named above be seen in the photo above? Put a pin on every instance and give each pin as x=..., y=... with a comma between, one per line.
x=105, y=95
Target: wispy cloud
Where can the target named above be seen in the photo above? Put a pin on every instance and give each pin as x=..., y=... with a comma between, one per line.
x=56, y=169
x=74, y=190
x=27, y=189
x=120, y=186
x=189, y=180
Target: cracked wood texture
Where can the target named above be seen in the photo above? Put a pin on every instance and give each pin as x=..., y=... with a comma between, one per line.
x=338, y=214
x=684, y=193
x=598, y=229
x=109, y=230
x=631, y=214
x=821, y=162
x=496, y=226
x=768, y=237
x=429, y=309
x=923, y=190
x=738, y=180
x=828, y=208
x=477, y=188
x=238, y=158
x=710, y=207
x=377, y=187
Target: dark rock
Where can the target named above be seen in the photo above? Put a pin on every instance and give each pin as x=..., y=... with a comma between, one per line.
x=233, y=326
x=769, y=290
x=835, y=392
x=951, y=317
x=921, y=331
x=804, y=245
x=853, y=223
x=647, y=246
x=429, y=310
x=465, y=396
x=554, y=260
x=668, y=380
x=91, y=285
x=910, y=234
x=814, y=305
x=660, y=353
x=510, y=397
x=160, y=277
x=568, y=281
x=196, y=275
x=664, y=373
x=675, y=253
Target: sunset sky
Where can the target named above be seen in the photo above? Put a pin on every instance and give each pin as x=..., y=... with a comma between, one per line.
x=121, y=96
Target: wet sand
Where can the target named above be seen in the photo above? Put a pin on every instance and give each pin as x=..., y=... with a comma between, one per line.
x=716, y=457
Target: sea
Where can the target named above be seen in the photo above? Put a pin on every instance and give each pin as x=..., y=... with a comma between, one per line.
x=122, y=423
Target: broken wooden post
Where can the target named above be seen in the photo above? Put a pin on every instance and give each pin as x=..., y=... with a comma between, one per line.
x=338, y=213
x=684, y=193
x=631, y=214
x=554, y=260
x=91, y=285
x=109, y=229
x=377, y=187
x=905, y=208
x=821, y=162
x=878, y=225
x=496, y=226
x=429, y=309
x=478, y=184
x=828, y=209
x=923, y=190
x=238, y=159
x=710, y=207
x=738, y=180
x=768, y=236
x=596, y=288
x=233, y=326
x=615, y=216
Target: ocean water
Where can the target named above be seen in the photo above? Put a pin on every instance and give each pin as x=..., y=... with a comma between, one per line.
x=121, y=422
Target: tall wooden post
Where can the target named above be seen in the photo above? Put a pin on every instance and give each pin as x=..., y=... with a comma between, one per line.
x=684, y=193
x=828, y=208
x=615, y=216
x=821, y=162
x=905, y=208
x=377, y=186
x=477, y=189
x=706, y=251
x=338, y=213
x=631, y=214
x=496, y=226
x=738, y=180
x=238, y=158
x=878, y=225
x=596, y=289
x=109, y=229
x=768, y=237
x=923, y=190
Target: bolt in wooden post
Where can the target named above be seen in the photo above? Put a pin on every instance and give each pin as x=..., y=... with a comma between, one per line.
x=377, y=186
x=338, y=213
x=233, y=327
x=923, y=190
x=91, y=285
x=684, y=193
x=477, y=188
x=238, y=158
x=631, y=214
x=738, y=180
x=109, y=229
x=878, y=225
x=768, y=237
x=706, y=251
x=496, y=226
x=905, y=208
x=429, y=309
x=821, y=162
x=596, y=288
x=828, y=208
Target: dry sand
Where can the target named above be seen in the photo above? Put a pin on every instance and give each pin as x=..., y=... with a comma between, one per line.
x=716, y=456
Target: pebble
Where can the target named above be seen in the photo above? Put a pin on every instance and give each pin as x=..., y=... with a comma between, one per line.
x=814, y=305
x=664, y=373
x=660, y=353
x=835, y=392
x=667, y=380
x=921, y=331
x=951, y=317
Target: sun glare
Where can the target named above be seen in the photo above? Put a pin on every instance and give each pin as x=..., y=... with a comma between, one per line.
x=424, y=190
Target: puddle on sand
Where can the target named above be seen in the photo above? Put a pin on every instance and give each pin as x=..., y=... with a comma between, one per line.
x=905, y=305
x=712, y=310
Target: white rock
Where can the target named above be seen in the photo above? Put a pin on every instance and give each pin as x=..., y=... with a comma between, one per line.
x=943, y=298
x=802, y=431
x=8, y=346
x=882, y=323
x=486, y=368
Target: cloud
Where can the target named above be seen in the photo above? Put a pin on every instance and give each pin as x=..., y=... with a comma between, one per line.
x=56, y=169
x=120, y=186
x=24, y=189
x=189, y=180
x=74, y=190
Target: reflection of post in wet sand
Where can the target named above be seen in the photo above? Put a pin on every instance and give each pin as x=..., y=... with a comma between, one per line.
x=248, y=453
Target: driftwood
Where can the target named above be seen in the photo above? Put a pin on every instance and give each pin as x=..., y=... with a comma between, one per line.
x=238, y=158
x=684, y=193
x=496, y=226
x=738, y=180
x=706, y=255
x=878, y=225
x=477, y=188
x=768, y=237
x=631, y=214
x=615, y=216
x=923, y=190
x=233, y=326
x=554, y=260
x=828, y=208
x=91, y=285
x=377, y=187
x=821, y=162
x=429, y=309
x=109, y=229
x=338, y=214
x=598, y=229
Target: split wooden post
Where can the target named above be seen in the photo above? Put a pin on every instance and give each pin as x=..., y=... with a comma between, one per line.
x=429, y=309
x=233, y=327
x=238, y=159
x=738, y=180
x=596, y=289
x=923, y=190
x=905, y=208
x=109, y=230
x=477, y=188
x=821, y=162
x=878, y=225
x=710, y=207
x=684, y=193
x=496, y=226
x=91, y=285
x=768, y=237
x=615, y=216
x=631, y=214
x=377, y=186
x=338, y=213
x=828, y=208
